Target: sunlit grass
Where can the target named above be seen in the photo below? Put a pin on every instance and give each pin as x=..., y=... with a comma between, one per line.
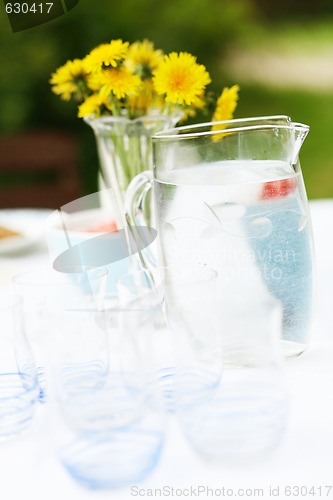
x=308, y=35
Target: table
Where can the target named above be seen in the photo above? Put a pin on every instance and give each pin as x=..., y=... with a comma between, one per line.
x=29, y=470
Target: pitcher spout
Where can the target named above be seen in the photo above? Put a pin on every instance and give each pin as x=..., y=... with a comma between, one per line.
x=301, y=131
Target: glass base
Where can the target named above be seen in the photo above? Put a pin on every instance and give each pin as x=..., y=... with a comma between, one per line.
x=247, y=419
x=114, y=460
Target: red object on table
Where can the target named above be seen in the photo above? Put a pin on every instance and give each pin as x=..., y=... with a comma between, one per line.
x=103, y=227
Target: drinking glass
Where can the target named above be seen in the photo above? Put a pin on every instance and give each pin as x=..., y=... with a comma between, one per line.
x=79, y=234
x=46, y=287
x=105, y=429
x=230, y=195
x=18, y=380
x=247, y=415
x=185, y=341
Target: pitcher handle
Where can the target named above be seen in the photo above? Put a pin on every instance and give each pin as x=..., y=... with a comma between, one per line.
x=135, y=198
x=135, y=214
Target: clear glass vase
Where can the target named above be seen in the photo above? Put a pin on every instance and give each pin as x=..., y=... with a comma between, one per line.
x=124, y=148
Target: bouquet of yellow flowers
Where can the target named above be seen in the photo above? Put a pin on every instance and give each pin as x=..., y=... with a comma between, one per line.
x=133, y=80
x=127, y=92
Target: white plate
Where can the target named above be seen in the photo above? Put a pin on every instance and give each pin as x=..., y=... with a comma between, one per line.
x=28, y=222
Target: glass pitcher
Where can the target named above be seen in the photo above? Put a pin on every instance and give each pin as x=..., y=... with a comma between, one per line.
x=230, y=195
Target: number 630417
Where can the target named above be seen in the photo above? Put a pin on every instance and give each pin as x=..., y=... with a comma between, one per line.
x=24, y=8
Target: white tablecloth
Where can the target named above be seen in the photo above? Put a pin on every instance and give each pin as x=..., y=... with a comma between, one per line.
x=29, y=470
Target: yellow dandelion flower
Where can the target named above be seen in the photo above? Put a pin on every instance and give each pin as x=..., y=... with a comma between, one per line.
x=65, y=90
x=119, y=82
x=106, y=54
x=191, y=111
x=70, y=79
x=92, y=106
x=226, y=105
x=95, y=81
x=144, y=100
x=181, y=79
x=143, y=59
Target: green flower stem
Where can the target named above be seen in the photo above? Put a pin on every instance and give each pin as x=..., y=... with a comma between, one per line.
x=125, y=150
x=148, y=155
x=130, y=155
x=135, y=155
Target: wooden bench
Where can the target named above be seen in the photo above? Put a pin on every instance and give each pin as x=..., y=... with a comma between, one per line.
x=39, y=169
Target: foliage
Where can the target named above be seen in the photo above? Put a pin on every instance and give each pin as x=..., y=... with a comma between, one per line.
x=203, y=28
x=27, y=58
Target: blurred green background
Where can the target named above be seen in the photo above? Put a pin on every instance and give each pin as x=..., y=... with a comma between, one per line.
x=279, y=52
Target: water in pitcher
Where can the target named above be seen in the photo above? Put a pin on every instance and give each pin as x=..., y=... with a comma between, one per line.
x=249, y=221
